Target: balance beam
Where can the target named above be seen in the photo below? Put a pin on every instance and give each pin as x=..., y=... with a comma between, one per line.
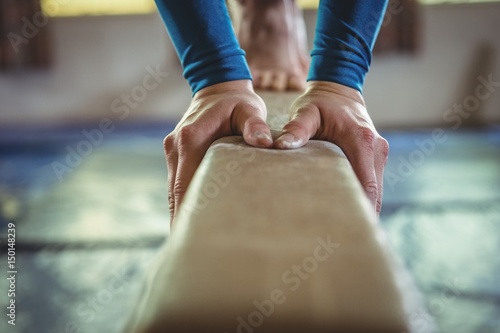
x=277, y=241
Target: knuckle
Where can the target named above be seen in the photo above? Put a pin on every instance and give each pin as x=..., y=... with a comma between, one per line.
x=371, y=188
x=384, y=147
x=179, y=189
x=300, y=111
x=254, y=121
x=185, y=135
x=367, y=136
x=169, y=143
x=255, y=106
x=378, y=206
x=171, y=202
x=294, y=124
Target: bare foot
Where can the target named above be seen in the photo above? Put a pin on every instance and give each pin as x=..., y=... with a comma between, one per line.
x=272, y=32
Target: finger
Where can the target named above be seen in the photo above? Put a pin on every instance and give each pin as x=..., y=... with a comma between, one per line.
x=171, y=156
x=381, y=154
x=250, y=122
x=303, y=126
x=280, y=81
x=266, y=79
x=360, y=153
x=191, y=148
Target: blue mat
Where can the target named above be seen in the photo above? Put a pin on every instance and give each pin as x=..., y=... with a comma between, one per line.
x=102, y=221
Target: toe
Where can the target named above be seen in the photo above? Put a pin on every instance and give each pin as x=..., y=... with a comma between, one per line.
x=280, y=81
x=266, y=79
x=294, y=83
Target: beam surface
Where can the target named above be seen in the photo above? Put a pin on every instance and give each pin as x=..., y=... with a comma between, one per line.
x=276, y=241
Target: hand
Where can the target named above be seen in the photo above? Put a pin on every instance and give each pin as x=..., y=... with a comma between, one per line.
x=223, y=109
x=336, y=113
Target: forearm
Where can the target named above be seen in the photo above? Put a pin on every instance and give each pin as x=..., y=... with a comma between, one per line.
x=205, y=42
x=346, y=31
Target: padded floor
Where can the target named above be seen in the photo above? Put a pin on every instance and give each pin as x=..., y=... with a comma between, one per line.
x=85, y=240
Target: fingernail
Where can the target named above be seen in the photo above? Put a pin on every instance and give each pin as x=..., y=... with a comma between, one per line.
x=263, y=136
x=289, y=141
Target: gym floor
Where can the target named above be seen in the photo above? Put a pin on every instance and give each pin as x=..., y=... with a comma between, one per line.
x=90, y=217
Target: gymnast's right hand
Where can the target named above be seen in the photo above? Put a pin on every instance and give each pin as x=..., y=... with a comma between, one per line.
x=223, y=109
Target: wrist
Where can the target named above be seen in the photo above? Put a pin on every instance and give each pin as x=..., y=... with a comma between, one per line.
x=228, y=86
x=335, y=88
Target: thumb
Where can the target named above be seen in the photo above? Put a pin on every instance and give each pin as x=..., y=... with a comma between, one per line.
x=251, y=123
x=303, y=126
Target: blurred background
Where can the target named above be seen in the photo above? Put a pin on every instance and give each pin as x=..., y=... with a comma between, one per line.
x=88, y=90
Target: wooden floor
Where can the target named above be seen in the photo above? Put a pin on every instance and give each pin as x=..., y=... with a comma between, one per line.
x=85, y=243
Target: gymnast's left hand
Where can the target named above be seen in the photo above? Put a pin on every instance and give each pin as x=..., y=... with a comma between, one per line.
x=223, y=109
x=333, y=112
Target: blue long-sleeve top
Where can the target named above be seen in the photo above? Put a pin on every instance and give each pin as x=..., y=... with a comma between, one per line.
x=205, y=42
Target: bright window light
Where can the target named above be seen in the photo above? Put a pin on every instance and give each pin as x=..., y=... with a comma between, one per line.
x=54, y=8
x=443, y=2
x=308, y=4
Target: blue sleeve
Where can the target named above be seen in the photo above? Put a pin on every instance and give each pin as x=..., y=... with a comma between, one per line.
x=205, y=42
x=345, y=34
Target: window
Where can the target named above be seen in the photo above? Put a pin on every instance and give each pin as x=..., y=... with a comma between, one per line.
x=438, y=2
x=126, y=7
x=97, y=7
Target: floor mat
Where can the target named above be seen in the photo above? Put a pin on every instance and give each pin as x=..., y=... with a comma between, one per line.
x=89, y=218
